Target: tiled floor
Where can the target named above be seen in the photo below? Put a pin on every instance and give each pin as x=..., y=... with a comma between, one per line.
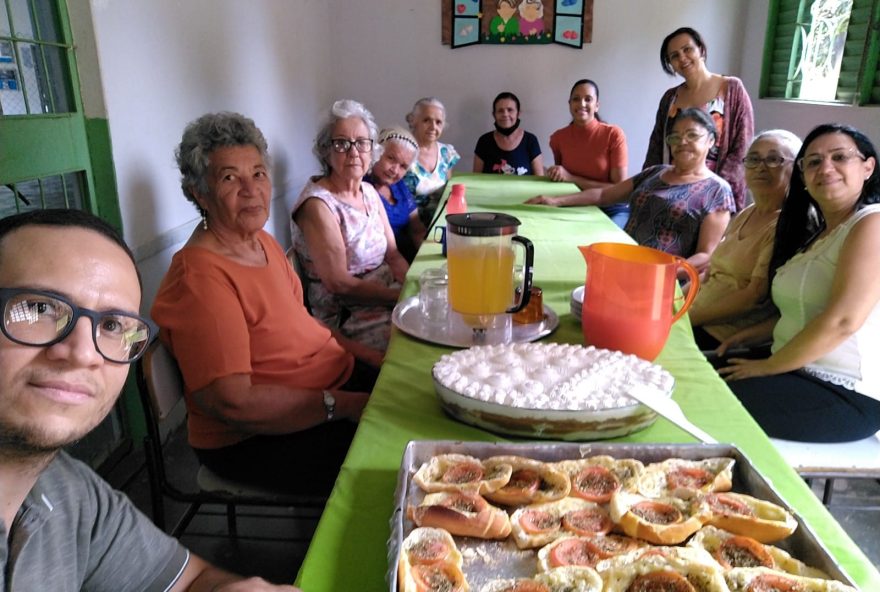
x=855, y=504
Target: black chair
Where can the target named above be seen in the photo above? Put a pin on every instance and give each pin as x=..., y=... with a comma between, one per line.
x=161, y=392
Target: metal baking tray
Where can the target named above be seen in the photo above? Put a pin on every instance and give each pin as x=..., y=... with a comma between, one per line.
x=486, y=560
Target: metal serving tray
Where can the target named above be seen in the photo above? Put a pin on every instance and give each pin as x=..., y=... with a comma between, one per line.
x=485, y=560
x=455, y=333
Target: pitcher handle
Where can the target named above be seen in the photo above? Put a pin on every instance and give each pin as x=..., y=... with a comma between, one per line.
x=692, y=292
x=529, y=258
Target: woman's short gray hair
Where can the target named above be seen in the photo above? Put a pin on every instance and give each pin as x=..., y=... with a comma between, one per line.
x=205, y=135
x=421, y=104
x=788, y=140
x=343, y=109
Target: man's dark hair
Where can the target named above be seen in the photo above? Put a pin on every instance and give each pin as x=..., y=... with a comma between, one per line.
x=60, y=217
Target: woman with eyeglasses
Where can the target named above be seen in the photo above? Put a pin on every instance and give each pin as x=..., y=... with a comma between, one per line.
x=681, y=208
x=822, y=381
x=684, y=52
x=341, y=234
x=433, y=167
x=265, y=383
x=735, y=291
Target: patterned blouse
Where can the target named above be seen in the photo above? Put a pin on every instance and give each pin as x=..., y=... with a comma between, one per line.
x=422, y=182
x=668, y=217
x=365, y=246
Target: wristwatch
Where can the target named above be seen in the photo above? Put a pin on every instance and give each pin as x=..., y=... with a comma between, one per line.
x=329, y=404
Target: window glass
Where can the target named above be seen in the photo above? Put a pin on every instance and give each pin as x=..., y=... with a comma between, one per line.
x=55, y=191
x=823, y=49
x=4, y=20
x=22, y=23
x=37, y=83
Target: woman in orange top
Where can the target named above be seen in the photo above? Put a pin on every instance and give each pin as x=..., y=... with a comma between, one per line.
x=588, y=152
x=266, y=384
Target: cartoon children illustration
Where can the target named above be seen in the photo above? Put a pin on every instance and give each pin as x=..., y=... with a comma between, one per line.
x=531, y=17
x=504, y=24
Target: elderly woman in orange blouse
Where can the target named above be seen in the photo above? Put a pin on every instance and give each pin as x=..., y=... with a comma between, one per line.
x=266, y=385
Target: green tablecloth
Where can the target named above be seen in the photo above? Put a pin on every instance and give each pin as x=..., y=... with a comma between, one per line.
x=349, y=551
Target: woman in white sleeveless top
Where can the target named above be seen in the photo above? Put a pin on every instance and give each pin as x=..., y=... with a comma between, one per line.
x=822, y=381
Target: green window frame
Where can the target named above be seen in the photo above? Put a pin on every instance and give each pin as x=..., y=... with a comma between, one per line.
x=788, y=22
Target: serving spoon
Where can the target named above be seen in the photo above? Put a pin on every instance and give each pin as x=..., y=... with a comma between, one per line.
x=669, y=409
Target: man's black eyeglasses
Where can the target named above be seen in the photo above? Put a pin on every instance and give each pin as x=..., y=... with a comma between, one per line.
x=39, y=318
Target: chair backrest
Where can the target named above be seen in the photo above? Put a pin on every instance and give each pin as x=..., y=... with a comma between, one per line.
x=303, y=279
x=163, y=380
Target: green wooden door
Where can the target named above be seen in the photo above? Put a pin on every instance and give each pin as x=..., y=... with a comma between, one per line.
x=49, y=151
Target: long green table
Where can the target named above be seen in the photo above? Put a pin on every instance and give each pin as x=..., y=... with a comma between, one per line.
x=349, y=548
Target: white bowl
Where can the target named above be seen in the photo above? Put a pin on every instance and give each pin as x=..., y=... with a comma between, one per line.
x=584, y=423
x=550, y=424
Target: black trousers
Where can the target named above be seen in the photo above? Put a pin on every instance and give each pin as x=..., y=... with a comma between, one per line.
x=799, y=406
x=304, y=462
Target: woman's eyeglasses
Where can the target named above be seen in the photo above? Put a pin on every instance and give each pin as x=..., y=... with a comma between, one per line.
x=342, y=145
x=811, y=163
x=676, y=139
x=773, y=161
x=41, y=319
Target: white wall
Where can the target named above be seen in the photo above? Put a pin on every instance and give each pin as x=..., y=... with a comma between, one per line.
x=797, y=117
x=401, y=59
x=165, y=62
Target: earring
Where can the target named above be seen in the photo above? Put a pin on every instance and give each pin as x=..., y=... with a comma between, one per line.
x=204, y=221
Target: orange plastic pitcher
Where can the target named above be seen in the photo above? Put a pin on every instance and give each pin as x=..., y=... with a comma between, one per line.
x=628, y=297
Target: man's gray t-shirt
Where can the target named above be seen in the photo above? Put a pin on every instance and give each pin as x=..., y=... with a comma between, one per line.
x=75, y=532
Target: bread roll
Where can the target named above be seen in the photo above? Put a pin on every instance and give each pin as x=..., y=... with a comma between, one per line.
x=461, y=513
x=743, y=514
x=571, y=579
x=662, y=521
x=430, y=555
x=597, y=478
x=536, y=525
x=570, y=551
x=677, y=477
x=460, y=472
x=673, y=568
x=717, y=542
x=531, y=481
x=747, y=579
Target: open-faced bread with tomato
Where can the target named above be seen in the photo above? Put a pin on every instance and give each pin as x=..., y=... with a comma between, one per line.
x=735, y=550
x=761, y=579
x=597, y=478
x=530, y=482
x=585, y=551
x=460, y=472
x=743, y=514
x=536, y=525
x=561, y=579
x=666, y=570
x=433, y=577
x=681, y=554
x=429, y=560
x=662, y=521
x=571, y=551
x=677, y=477
x=612, y=545
x=461, y=513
